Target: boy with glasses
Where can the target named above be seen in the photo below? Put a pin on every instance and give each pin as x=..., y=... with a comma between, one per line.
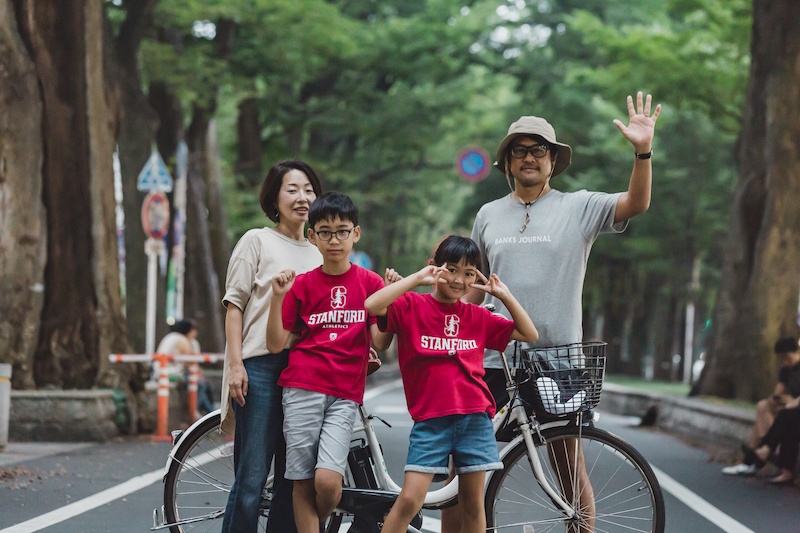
x=326, y=375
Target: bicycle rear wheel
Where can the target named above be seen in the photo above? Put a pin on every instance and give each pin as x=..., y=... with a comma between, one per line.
x=199, y=480
x=626, y=494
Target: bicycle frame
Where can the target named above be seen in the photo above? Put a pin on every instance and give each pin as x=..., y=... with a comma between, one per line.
x=512, y=411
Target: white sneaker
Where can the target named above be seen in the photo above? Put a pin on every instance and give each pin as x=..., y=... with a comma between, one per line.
x=740, y=470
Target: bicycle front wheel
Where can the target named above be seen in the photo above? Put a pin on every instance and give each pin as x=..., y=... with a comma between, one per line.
x=199, y=480
x=612, y=487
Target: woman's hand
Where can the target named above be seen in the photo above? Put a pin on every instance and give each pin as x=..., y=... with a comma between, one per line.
x=237, y=383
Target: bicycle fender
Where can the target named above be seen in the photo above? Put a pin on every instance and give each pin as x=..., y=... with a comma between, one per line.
x=182, y=438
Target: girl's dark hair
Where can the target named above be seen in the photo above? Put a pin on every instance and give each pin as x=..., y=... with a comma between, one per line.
x=332, y=205
x=268, y=197
x=454, y=248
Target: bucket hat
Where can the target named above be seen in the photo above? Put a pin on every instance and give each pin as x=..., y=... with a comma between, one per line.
x=527, y=126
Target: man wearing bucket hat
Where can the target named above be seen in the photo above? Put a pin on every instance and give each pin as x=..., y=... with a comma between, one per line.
x=537, y=239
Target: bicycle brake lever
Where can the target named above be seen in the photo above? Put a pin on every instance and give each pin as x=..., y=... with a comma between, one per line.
x=371, y=416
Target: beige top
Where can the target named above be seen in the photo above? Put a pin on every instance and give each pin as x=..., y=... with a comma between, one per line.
x=258, y=256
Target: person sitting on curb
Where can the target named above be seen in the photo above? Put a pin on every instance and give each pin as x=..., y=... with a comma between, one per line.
x=786, y=394
x=784, y=435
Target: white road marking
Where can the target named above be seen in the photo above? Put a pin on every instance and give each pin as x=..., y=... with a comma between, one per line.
x=699, y=505
x=87, y=504
x=432, y=525
x=120, y=491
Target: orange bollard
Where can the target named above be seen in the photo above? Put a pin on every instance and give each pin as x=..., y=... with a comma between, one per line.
x=191, y=390
x=163, y=398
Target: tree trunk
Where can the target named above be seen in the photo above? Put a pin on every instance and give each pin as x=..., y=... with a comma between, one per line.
x=80, y=320
x=138, y=125
x=103, y=105
x=203, y=296
x=250, y=153
x=207, y=246
x=221, y=246
x=22, y=216
x=761, y=278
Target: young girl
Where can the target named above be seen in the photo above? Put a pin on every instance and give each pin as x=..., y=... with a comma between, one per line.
x=441, y=341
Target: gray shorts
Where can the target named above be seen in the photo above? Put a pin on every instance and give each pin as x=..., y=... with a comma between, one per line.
x=318, y=428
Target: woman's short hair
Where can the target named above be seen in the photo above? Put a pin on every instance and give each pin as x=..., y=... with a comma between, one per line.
x=271, y=187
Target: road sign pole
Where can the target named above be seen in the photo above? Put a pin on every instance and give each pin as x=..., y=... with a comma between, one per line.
x=152, y=247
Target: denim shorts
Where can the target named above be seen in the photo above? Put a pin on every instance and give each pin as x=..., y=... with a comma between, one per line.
x=318, y=428
x=469, y=438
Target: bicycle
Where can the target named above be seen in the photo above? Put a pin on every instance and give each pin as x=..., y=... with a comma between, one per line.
x=553, y=392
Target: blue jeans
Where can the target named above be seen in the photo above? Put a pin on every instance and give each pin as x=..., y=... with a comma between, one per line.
x=469, y=438
x=259, y=437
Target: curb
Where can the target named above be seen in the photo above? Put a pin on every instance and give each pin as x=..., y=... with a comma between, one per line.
x=696, y=419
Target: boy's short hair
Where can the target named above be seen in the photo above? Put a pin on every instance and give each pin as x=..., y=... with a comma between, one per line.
x=454, y=248
x=786, y=345
x=271, y=187
x=332, y=205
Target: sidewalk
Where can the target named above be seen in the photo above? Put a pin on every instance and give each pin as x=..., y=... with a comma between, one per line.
x=21, y=452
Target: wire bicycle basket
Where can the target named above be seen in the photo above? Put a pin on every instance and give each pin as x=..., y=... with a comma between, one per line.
x=566, y=379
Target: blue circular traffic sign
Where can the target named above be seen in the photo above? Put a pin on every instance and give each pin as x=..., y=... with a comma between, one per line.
x=473, y=163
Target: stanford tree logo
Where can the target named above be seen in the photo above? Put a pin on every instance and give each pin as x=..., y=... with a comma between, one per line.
x=338, y=297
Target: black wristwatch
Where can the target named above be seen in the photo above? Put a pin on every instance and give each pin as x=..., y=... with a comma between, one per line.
x=646, y=155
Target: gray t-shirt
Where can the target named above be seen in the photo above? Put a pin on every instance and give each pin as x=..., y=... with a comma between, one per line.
x=544, y=265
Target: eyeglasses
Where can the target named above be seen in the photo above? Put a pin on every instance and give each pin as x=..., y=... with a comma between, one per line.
x=537, y=151
x=341, y=234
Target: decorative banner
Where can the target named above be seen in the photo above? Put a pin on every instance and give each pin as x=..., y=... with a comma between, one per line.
x=175, y=274
x=473, y=163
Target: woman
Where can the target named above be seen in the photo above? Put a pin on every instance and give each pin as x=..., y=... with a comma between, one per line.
x=251, y=397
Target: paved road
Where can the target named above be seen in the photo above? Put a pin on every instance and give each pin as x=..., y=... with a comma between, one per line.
x=113, y=487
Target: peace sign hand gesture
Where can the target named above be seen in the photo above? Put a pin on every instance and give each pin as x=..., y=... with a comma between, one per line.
x=641, y=125
x=492, y=285
x=430, y=275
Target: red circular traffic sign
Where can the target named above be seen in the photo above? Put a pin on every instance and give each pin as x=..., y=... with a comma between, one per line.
x=155, y=215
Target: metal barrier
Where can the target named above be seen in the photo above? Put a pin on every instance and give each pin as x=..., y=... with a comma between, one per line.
x=194, y=361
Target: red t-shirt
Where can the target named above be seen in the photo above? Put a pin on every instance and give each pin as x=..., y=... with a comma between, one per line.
x=332, y=349
x=440, y=349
